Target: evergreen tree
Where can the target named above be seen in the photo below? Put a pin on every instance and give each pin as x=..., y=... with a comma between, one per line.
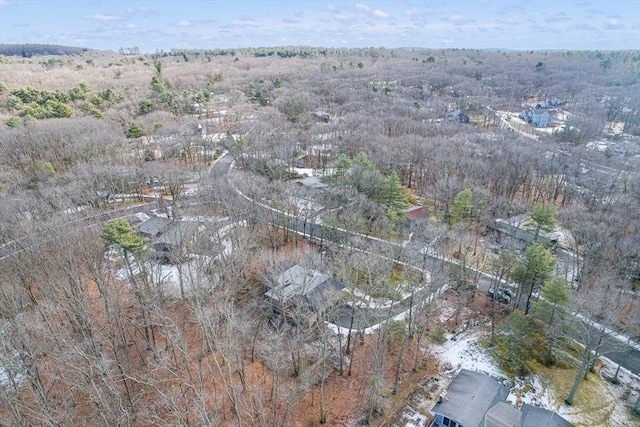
x=393, y=195
x=341, y=168
x=515, y=341
x=462, y=207
x=135, y=131
x=543, y=215
x=120, y=234
x=552, y=310
x=533, y=271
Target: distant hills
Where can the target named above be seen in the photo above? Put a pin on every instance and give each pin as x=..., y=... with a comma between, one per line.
x=29, y=50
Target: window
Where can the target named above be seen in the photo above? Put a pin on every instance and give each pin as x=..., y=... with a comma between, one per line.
x=444, y=421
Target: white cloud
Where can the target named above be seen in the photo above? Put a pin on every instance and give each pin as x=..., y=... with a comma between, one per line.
x=244, y=23
x=458, y=20
x=380, y=14
x=613, y=23
x=414, y=13
x=183, y=23
x=508, y=21
x=104, y=17
x=376, y=13
x=340, y=17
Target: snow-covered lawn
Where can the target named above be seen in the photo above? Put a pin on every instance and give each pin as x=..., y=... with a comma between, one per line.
x=603, y=403
x=465, y=352
x=167, y=278
x=597, y=403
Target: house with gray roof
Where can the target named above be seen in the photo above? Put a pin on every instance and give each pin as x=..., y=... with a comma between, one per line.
x=536, y=116
x=301, y=295
x=534, y=416
x=152, y=227
x=467, y=400
x=474, y=399
x=311, y=182
x=173, y=243
x=457, y=116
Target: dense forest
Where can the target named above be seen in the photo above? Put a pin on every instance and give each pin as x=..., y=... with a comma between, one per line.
x=424, y=162
x=29, y=50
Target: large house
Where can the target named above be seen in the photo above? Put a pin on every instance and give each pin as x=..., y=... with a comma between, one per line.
x=300, y=295
x=474, y=399
x=536, y=116
x=171, y=240
x=457, y=116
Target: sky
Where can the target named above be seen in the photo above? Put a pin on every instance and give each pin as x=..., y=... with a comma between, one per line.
x=208, y=24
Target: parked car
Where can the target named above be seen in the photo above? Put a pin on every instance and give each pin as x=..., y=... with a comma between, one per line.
x=503, y=295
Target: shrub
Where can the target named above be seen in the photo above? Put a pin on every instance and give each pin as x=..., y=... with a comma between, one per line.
x=439, y=335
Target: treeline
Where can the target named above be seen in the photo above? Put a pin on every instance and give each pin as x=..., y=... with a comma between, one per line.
x=29, y=50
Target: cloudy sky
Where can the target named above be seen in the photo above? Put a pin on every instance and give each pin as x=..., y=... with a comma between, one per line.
x=165, y=24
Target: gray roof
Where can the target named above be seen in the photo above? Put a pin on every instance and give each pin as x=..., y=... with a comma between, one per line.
x=177, y=232
x=311, y=181
x=503, y=415
x=517, y=232
x=322, y=293
x=153, y=226
x=298, y=281
x=532, y=416
x=469, y=396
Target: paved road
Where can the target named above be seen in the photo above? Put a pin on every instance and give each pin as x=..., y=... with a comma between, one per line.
x=630, y=358
x=617, y=351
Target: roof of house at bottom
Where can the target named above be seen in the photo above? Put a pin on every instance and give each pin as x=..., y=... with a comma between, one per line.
x=469, y=396
x=533, y=416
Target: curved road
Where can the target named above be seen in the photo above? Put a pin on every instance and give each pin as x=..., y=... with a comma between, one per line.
x=616, y=350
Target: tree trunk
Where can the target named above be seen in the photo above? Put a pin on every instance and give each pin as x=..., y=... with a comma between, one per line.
x=581, y=373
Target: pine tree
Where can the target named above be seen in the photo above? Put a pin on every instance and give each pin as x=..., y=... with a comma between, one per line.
x=462, y=207
x=543, y=216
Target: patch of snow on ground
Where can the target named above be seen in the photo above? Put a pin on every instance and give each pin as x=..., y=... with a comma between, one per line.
x=190, y=189
x=201, y=218
x=304, y=171
x=414, y=419
x=465, y=352
x=305, y=206
x=167, y=277
x=141, y=216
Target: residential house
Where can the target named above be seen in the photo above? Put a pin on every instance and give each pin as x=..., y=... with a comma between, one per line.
x=457, y=116
x=474, y=399
x=311, y=182
x=536, y=116
x=322, y=116
x=415, y=212
x=152, y=227
x=501, y=230
x=467, y=400
x=171, y=240
x=300, y=295
x=175, y=240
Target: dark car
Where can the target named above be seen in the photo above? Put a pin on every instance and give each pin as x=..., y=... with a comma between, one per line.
x=503, y=295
